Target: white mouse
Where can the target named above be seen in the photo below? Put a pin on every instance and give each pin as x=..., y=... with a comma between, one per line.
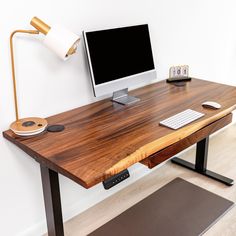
x=211, y=105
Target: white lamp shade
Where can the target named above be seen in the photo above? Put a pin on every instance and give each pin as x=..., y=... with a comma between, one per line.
x=60, y=40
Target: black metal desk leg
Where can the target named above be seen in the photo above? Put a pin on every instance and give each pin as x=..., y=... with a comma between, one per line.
x=202, y=155
x=52, y=201
x=200, y=165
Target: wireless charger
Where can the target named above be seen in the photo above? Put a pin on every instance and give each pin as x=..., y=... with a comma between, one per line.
x=55, y=128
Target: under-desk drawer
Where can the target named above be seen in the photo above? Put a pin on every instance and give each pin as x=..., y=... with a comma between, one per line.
x=175, y=148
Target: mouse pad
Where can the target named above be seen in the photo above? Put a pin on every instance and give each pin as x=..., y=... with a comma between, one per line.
x=177, y=209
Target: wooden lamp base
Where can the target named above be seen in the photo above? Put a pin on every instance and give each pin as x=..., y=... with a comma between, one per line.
x=29, y=126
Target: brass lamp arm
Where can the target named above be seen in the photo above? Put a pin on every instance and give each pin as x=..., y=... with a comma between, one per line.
x=13, y=65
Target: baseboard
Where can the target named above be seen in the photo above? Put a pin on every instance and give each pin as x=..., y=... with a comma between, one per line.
x=37, y=229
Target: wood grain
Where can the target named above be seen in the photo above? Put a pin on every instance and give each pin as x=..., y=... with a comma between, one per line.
x=221, y=159
x=175, y=148
x=157, y=145
x=103, y=138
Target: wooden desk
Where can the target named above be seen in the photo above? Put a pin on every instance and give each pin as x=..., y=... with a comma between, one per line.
x=104, y=138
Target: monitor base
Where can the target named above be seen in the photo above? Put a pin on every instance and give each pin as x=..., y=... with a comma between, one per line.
x=123, y=98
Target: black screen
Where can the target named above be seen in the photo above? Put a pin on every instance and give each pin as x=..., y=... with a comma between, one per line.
x=121, y=52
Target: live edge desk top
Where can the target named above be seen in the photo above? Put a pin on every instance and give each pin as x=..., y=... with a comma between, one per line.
x=103, y=138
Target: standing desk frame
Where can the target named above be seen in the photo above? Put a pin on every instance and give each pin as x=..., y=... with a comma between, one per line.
x=94, y=146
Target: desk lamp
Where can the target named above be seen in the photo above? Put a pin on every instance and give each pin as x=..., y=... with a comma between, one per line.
x=64, y=44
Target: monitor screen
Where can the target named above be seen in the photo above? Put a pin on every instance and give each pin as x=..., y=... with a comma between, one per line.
x=118, y=53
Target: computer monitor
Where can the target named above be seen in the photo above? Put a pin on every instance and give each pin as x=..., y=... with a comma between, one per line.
x=119, y=58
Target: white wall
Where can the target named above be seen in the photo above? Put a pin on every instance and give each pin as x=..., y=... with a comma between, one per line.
x=199, y=33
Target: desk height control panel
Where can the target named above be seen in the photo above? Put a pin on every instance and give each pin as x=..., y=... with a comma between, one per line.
x=116, y=179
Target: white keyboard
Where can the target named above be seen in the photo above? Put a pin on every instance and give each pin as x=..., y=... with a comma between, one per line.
x=181, y=119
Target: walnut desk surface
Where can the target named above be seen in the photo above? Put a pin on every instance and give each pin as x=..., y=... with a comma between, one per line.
x=103, y=138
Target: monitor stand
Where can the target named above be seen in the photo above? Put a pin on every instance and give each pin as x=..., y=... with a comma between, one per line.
x=123, y=98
